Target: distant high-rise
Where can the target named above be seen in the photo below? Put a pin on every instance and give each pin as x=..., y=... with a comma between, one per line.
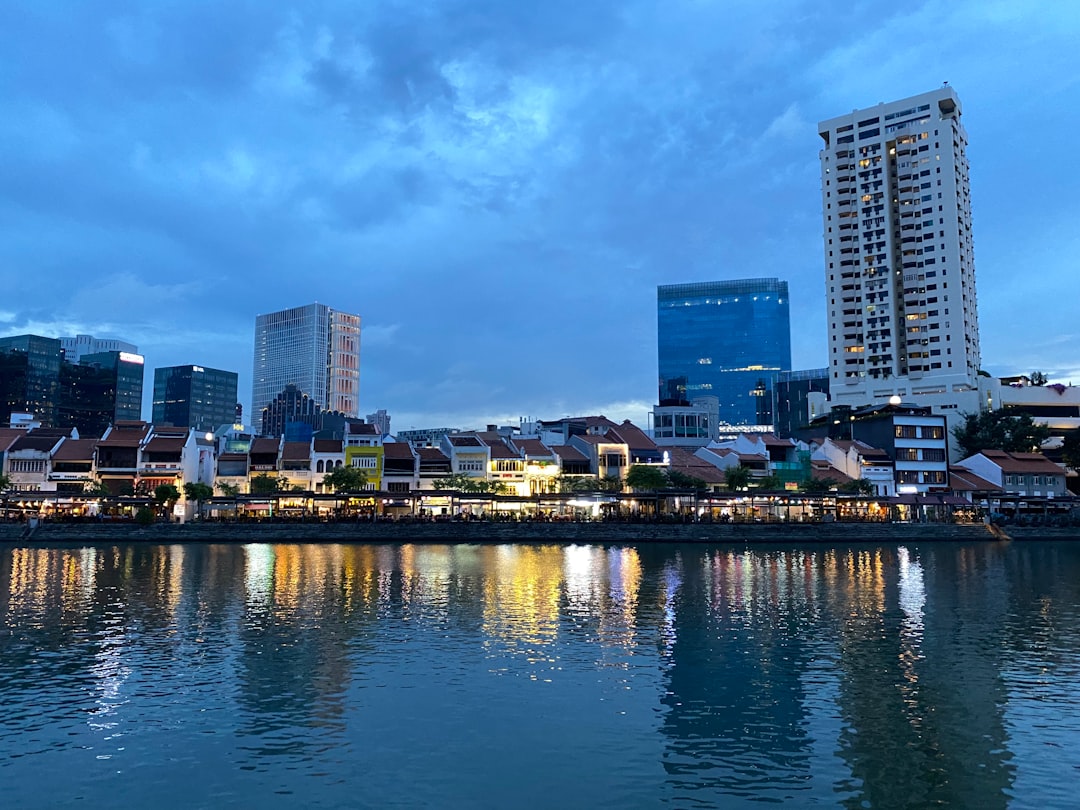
x=194, y=396
x=725, y=339
x=75, y=348
x=313, y=347
x=89, y=395
x=900, y=270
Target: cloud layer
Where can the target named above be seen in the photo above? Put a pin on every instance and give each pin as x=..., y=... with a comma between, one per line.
x=497, y=188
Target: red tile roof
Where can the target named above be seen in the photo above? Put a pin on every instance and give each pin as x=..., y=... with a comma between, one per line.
x=1023, y=463
x=500, y=450
x=296, y=451
x=125, y=434
x=164, y=444
x=569, y=453
x=534, y=448
x=264, y=445
x=685, y=462
x=75, y=450
x=328, y=445
x=397, y=450
x=633, y=436
x=465, y=441
x=963, y=480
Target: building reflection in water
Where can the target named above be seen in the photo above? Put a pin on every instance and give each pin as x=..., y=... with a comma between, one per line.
x=864, y=676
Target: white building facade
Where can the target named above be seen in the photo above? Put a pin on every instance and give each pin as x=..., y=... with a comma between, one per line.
x=900, y=274
x=314, y=347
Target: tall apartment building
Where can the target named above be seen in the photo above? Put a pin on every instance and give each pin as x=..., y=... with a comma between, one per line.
x=314, y=347
x=194, y=396
x=724, y=339
x=900, y=271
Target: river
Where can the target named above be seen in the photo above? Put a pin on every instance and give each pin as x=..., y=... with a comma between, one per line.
x=563, y=676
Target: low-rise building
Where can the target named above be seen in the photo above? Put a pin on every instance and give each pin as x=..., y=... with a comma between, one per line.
x=1029, y=475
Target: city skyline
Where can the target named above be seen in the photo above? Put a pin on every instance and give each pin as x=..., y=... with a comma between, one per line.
x=438, y=174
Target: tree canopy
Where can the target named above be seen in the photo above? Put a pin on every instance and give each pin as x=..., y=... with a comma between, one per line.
x=999, y=430
x=264, y=484
x=346, y=479
x=197, y=491
x=1070, y=451
x=645, y=477
x=736, y=478
x=166, y=493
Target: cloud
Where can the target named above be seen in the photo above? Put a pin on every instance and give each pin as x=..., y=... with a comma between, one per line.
x=497, y=188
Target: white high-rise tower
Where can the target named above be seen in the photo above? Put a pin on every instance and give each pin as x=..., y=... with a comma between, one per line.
x=313, y=347
x=900, y=271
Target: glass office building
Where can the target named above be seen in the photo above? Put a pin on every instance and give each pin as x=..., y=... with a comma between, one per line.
x=30, y=377
x=314, y=347
x=726, y=339
x=194, y=396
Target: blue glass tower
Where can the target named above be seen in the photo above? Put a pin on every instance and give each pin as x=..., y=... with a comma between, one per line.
x=726, y=339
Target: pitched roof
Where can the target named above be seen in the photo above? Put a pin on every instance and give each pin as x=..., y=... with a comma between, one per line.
x=1023, y=463
x=328, y=445
x=397, y=450
x=632, y=436
x=568, y=452
x=964, y=480
x=362, y=429
x=500, y=450
x=432, y=454
x=296, y=451
x=8, y=437
x=827, y=472
x=533, y=448
x=164, y=444
x=264, y=445
x=464, y=441
x=35, y=442
x=125, y=434
x=685, y=462
x=75, y=450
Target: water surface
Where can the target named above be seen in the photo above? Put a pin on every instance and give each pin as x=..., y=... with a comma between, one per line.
x=540, y=676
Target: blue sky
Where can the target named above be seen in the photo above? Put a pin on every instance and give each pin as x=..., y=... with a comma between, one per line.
x=498, y=187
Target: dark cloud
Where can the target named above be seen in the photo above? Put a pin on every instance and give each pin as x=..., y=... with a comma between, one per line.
x=496, y=187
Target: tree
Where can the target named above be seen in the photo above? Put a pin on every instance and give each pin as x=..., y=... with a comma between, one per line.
x=263, y=484
x=1070, y=450
x=644, y=477
x=770, y=483
x=999, y=430
x=577, y=483
x=198, y=492
x=166, y=495
x=96, y=489
x=815, y=484
x=610, y=483
x=346, y=479
x=1038, y=378
x=736, y=478
x=228, y=490
x=5, y=483
x=858, y=486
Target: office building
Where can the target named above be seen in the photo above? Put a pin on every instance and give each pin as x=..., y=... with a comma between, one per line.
x=88, y=395
x=30, y=377
x=315, y=348
x=724, y=339
x=900, y=272
x=100, y=390
x=194, y=396
x=799, y=397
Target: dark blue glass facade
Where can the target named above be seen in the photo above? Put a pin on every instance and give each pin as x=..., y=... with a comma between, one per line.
x=726, y=339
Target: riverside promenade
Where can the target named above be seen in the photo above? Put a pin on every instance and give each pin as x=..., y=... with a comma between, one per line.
x=480, y=532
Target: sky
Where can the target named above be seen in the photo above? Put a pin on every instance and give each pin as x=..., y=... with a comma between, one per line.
x=497, y=188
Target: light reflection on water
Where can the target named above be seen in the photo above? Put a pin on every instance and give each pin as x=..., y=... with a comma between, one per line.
x=556, y=676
